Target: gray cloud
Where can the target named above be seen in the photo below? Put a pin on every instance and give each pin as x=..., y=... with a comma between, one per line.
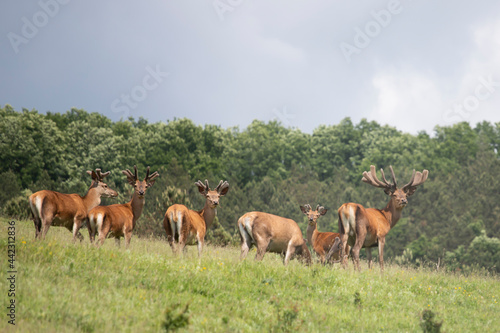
x=262, y=57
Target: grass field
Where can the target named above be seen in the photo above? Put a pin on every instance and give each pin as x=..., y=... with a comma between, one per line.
x=62, y=287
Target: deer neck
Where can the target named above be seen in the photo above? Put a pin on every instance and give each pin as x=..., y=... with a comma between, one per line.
x=208, y=214
x=392, y=213
x=91, y=199
x=136, y=204
x=311, y=232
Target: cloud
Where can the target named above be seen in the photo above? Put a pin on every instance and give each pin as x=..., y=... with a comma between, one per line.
x=406, y=99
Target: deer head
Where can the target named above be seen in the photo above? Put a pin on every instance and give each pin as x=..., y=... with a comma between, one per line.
x=313, y=215
x=212, y=196
x=398, y=195
x=97, y=183
x=140, y=186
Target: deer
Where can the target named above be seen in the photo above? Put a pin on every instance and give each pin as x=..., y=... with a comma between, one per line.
x=362, y=227
x=186, y=226
x=321, y=242
x=67, y=210
x=272, y=233
x=119, y=220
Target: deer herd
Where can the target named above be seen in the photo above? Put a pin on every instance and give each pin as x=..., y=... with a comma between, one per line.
x=359, y=227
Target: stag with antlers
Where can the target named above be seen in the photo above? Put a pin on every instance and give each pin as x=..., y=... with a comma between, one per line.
x=186, y=226
x=119, y=220
x=67, y=210
x=362, y=227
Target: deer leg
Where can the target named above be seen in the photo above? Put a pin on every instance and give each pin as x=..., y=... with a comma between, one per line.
x=262, y=245
x=170, y=240
x=128, y=237
x=92, y=230
x=322, y=258
x=369, y=257
x=343, y=240
x=246, y=244
x=381, y=243
x=46, y=222
x=117, y=242
x=103, y=233
x=355, y=252
x=201, y=240
x=77, y=224
x=347, y=252
x=290, y=251
x=38, y=226
x=170, y=231
x=181, y=244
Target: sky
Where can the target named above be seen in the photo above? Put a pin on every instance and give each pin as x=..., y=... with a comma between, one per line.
x=409, y=64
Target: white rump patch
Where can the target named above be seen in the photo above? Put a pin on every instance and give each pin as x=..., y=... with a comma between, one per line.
x=38, y=204
x=248, y=227
x=100, y=219
x=179, y=224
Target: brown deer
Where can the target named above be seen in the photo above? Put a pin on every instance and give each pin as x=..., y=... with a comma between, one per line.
x=67, y=210
x=367, y=227
x=119, y=220
x=274, y=234
x=186, y=226
x=321, y=242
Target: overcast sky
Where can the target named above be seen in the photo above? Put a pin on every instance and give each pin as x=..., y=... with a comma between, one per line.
x=409, y=64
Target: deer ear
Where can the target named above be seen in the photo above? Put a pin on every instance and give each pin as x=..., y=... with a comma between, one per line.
x=388, y=191
x=130, y=177
x=201, y=187
x=151, y=182
x=411, y=190
x=224, y=189
x=303, y=209
x=323, y=212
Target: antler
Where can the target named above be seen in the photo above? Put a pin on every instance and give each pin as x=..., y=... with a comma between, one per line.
x=149, y=177
x=202, y=187
x=97, y=176
x=319, y=208
x=100, y=175
x=129, y=174
x=222, y=185
x=131, y=177
x=371, y=178
x=417, y=178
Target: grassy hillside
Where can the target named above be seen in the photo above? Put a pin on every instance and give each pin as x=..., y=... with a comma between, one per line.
x=66, y=288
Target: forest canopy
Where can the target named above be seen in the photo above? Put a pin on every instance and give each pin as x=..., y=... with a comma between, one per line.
x=454, y=216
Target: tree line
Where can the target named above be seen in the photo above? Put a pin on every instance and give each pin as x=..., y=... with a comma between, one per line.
x=454, y=217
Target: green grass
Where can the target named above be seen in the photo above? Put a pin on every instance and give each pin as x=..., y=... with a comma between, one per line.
x=62, y=287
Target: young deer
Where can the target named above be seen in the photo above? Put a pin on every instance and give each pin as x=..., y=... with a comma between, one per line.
x=362, y=227
x=274, y=234
x=119, y=220
x=320, y=241
x=187, y=226
x=67, y=210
